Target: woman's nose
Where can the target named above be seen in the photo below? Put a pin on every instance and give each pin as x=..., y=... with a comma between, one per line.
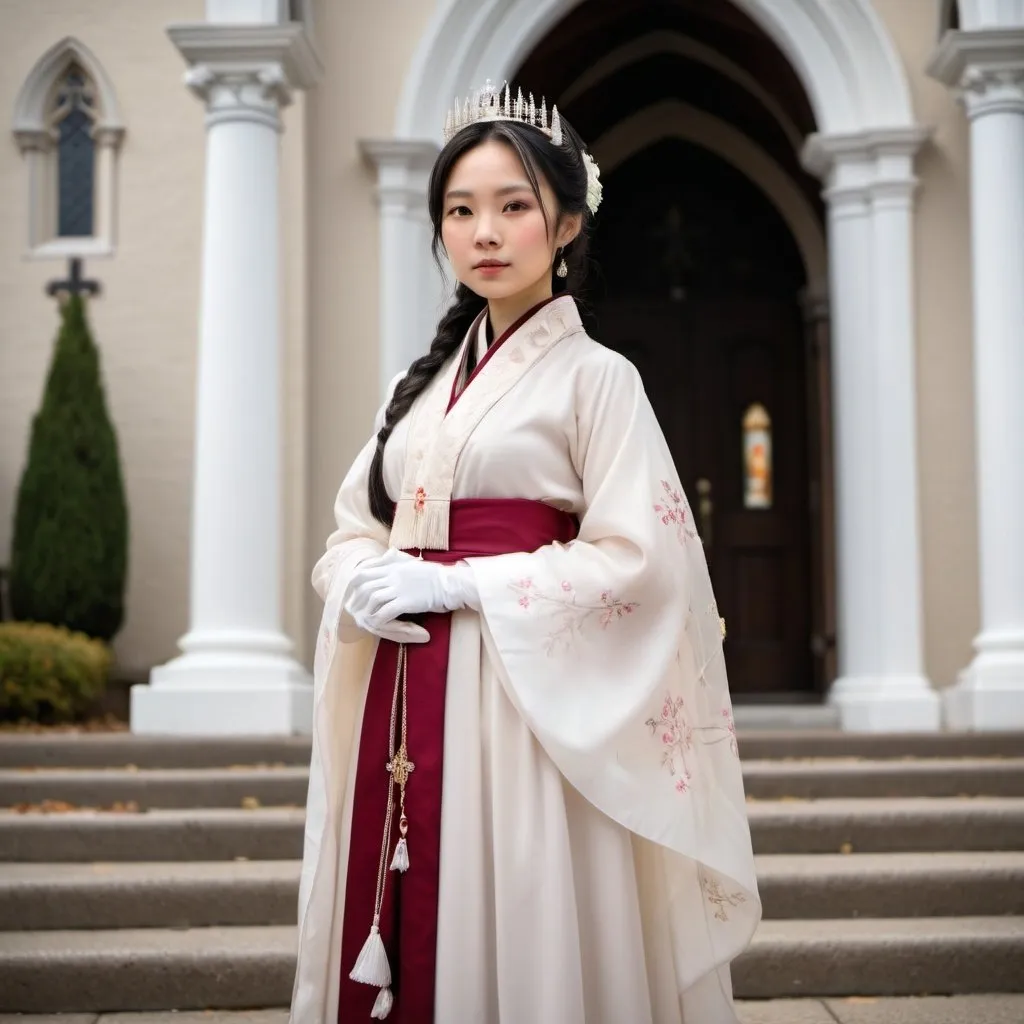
x=486, y=232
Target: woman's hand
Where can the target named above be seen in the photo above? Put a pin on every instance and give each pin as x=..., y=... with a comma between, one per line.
x=396, y=584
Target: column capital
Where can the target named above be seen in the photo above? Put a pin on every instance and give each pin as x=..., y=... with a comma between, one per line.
x=868, y=154
x=246, y=72
x=403, y=170
x=870, y=167
x=984, y=68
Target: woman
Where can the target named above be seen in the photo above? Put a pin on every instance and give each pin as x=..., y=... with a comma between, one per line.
x=525, y=799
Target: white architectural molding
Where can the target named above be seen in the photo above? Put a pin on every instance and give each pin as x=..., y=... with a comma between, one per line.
x=869, y=189
x=411, y=286
x=987, y=14
x=673, y=119
x=675, y=43
x=986, y=68
x=236, y=673
x=37, y=142
x=283, y=51
x=839, y=49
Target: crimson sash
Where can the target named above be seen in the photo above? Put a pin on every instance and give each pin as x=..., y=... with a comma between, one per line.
x=408, y=923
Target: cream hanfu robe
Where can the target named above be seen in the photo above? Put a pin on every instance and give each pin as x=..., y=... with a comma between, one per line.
x=595, y=856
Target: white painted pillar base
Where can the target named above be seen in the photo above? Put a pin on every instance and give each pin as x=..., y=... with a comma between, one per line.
x=236, y=674
x=987, y=69
x=881, y=686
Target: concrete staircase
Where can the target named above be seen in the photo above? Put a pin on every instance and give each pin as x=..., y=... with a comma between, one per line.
x=143, y=874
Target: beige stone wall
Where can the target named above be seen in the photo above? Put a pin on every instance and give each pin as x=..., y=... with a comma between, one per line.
x=944, y=351
x=365, y=49
x=145, y=321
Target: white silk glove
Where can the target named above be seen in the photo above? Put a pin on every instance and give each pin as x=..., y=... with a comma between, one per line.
x=395, y=584
x=353, y=602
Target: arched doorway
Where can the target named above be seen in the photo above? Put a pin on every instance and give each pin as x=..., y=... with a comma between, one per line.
x=699, y=281
x=838, y=82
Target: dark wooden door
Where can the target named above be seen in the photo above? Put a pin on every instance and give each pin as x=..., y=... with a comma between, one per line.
x=705, y=364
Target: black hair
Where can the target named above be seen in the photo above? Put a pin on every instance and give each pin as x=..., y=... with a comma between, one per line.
x=563, y=169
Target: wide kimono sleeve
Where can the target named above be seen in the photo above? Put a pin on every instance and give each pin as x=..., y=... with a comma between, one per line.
x=357, y=536
x=610, y=647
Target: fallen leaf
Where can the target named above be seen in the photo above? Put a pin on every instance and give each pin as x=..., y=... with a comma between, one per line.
x=250, y=803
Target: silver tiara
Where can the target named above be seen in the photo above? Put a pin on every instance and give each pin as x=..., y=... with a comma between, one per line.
x=490, y=104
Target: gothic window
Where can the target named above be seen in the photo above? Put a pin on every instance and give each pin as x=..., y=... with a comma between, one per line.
x=73, y=115
x=68, y=127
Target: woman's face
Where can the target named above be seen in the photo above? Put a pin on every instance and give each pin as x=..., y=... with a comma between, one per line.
x=493, y=228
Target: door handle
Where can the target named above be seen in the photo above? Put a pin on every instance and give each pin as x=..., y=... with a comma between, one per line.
x=705, y=509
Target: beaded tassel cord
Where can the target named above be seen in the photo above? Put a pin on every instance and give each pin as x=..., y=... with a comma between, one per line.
x=372, y=967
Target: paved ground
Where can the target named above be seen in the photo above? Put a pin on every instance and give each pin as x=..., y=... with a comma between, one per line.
x=996, y=1009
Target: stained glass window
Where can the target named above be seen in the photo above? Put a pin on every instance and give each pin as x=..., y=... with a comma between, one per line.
x=74, y=112
x=757, y=457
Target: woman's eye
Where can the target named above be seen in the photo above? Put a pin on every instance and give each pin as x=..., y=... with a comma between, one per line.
x=515, y=206
x=459, y=211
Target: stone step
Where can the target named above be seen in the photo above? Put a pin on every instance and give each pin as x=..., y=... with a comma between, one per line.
x=823, y=885
x=101, y=750
x=146, y=969
x=758, y=744
x=184, y=894
x=271, y=833
x=275, y=833
x=818, y=778
x=176, y=894
x=116, y=749
x=156, y=787
x=999, y=1008
x=919, y=824
x=223, y=968
x=883, y=956
x=285, y=786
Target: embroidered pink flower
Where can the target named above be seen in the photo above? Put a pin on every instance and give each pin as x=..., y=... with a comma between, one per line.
x=730, y=725
x=678, y=735
x=672, y=511
x=420, y=500
x=569, y=615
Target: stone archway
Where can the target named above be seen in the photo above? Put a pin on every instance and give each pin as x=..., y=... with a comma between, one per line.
x=863, y=150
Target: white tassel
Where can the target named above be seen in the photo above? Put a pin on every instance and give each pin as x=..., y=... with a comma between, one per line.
x=372, y=967
x=400, y=862
x=382, y=1007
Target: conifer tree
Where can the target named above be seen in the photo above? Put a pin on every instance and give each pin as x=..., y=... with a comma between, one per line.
x=70, y=546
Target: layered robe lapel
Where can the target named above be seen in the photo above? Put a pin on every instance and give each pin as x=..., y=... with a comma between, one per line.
x=443, y=420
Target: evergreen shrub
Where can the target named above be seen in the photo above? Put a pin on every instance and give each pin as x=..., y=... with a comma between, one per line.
x=70, y=546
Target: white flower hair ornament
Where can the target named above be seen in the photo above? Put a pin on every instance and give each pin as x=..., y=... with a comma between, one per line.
x=489, y=104
x=595, y=190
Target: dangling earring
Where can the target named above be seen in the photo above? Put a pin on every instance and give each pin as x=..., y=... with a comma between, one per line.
x=562, y=270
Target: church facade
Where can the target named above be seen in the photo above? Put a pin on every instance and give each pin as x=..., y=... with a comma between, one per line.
x=811, y=245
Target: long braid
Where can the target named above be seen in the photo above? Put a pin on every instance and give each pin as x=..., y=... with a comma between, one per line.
x=450, y=331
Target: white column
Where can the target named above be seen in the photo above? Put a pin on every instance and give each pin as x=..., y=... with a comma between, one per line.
x=881, y=685
x=988, y=69
x=236, y=673
x=411, y=288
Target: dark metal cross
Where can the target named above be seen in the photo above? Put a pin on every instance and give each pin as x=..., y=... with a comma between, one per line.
x=75, y=284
